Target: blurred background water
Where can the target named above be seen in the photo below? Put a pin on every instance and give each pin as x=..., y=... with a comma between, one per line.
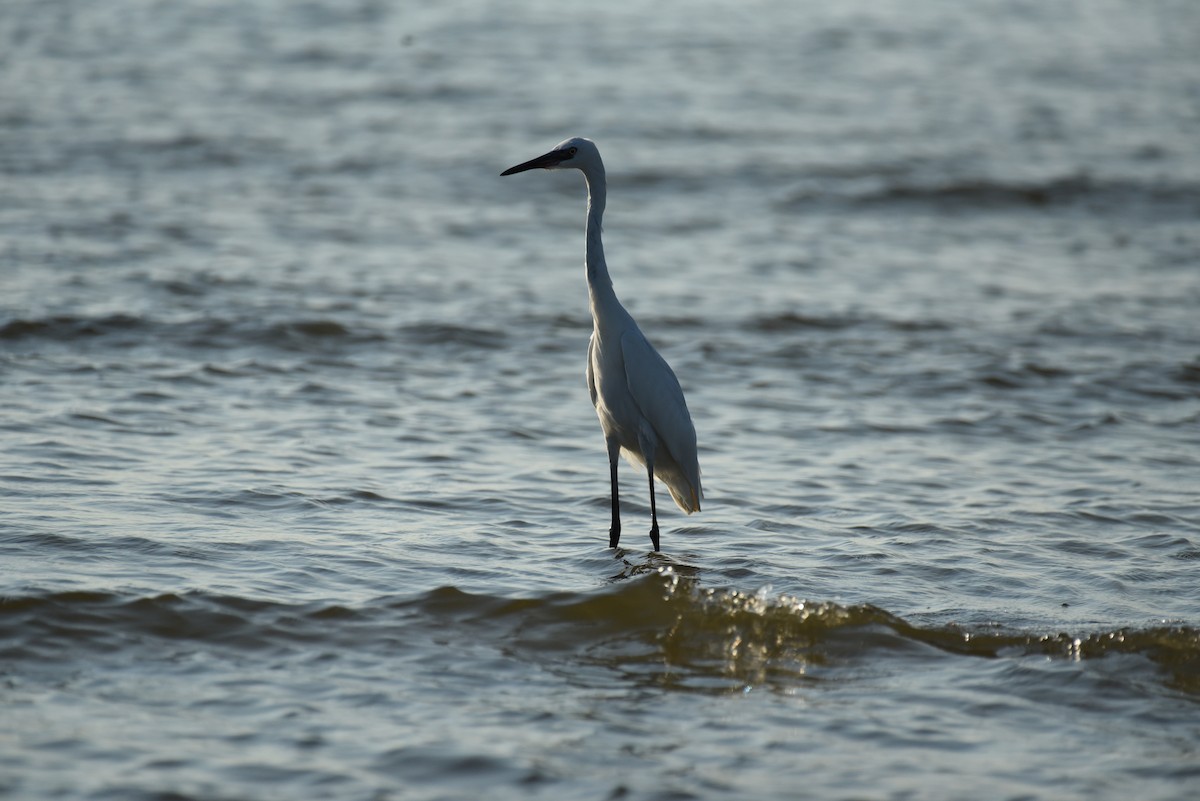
x=301, y=495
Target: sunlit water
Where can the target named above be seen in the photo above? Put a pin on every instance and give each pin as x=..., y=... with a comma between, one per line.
x=301, y=495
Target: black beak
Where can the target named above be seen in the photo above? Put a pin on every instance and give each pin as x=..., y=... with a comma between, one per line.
x=551, y=159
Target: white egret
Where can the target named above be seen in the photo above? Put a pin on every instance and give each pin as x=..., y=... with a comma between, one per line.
x=637, y=396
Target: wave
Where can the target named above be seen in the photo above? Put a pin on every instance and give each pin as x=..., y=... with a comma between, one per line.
x=68, y=327
x=658, y=625
x=783, y=322
x=208, y=332
x=199, y=332
x=436, y=333
x=1079, y=190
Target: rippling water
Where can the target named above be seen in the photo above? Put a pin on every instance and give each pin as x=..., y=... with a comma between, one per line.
x=301, y=495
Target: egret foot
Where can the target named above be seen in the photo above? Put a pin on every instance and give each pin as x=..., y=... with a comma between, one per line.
x=614, y=535
x=654, y=537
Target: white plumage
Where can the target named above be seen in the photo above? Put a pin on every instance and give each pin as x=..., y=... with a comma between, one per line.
x=638, y=399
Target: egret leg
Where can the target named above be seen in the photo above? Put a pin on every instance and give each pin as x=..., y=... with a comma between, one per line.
x=614, y=533
x=653, y=511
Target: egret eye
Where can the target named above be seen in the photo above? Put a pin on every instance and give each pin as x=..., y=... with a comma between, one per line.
x=572, y=150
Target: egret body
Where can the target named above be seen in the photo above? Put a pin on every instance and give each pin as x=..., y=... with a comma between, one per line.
x=637, y=397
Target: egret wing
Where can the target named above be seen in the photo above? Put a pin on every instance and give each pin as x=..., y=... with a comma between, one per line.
x=591, y=376
x=657, y=393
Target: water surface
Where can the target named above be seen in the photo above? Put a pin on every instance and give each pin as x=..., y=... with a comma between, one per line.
x=301, y=495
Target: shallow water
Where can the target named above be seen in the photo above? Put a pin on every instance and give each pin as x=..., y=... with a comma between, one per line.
x=301, y=495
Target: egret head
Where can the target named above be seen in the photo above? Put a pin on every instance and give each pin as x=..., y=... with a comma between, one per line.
x=575, y=153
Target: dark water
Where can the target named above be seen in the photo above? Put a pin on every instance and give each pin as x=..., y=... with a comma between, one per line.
x=301, y=495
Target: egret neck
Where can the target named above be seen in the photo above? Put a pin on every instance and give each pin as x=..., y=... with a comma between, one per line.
x=599, y=283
